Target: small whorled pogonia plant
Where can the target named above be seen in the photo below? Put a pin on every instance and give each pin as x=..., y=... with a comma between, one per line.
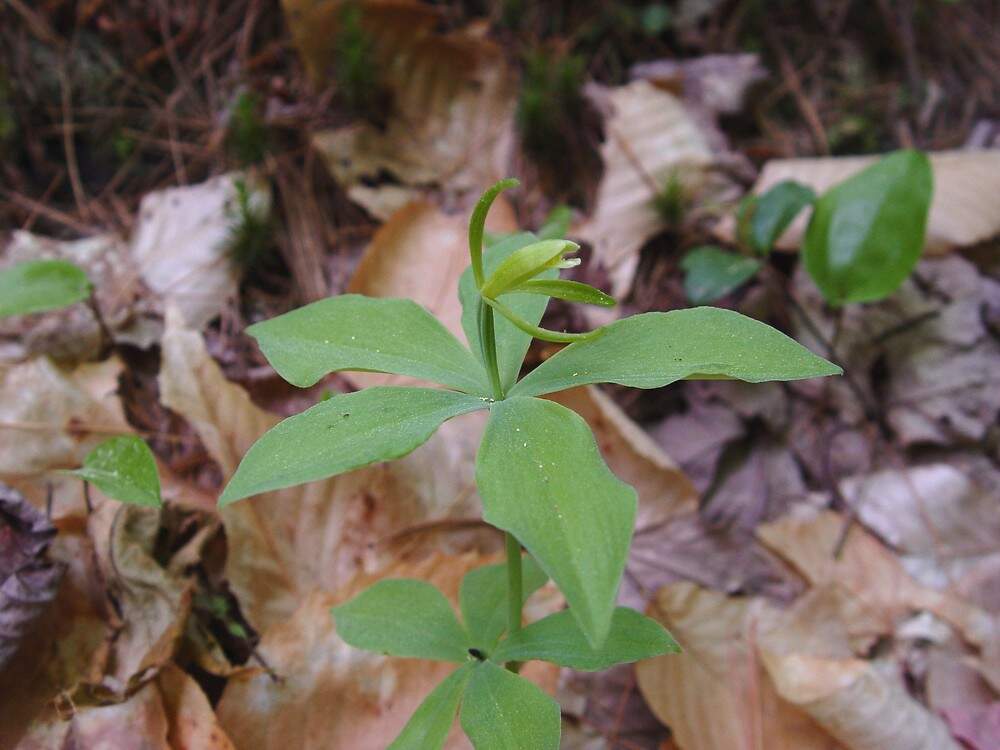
x=539, y=472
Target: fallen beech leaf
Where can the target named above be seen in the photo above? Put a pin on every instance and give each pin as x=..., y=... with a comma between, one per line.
x=965, y=209
x=978, y=727
x=51, y=418
x=180, y=244
x=650, y=139
x=192, y=724
x=452, y=102
x=28, y=580
x=330, y=695
x=714, y=695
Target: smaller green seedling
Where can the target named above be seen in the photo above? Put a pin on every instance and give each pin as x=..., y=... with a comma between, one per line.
x=124, y=469
x=539, y=472
x=864, y=237
x=40, y=285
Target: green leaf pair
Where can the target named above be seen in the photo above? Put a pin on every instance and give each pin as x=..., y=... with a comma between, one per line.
x=863, y=239
x=498, y=708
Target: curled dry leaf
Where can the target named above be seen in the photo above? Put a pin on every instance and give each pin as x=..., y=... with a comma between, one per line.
x=650, y=140
x=450, y=121
x=329, y=695
x=28, y=580
x=180, y=242
x=50, y=418
x=965, y=209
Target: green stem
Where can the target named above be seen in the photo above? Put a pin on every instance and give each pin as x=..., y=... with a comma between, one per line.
x=488, y=341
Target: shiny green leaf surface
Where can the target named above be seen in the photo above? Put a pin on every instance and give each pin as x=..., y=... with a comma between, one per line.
x=342, y=433
x=123, y=468
x=542, y=478
x=655, y=349
x=501, y=711
x=711, y=272
x=40, y=285
x=558, y=639
x=867, y=233
x=403, y=617
x=354, y=332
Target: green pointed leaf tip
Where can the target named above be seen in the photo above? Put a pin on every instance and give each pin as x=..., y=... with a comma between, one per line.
x=403, y=617
x=502, y=711
x=571, y=291
x=867, y=233
x=526, y=263
x=483, y=599
x=711, y=273
x=123, y=468
x=775, y=210
x=558, y=639
x=655, y=349
x=477, y=226
x=343, y=433
x=542, y=478
x=354, y=332
x=428, y=728
x=40, y=285
x=512, y=342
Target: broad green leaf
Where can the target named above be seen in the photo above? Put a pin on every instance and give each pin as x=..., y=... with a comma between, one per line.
x=655, y=349
x=512, y=342
x=711, y=273
x=526, y=263
x=40, y=285
x=558, y=639
x=774, y=211
x=428, y=728
x=403, y=617
x=542, y=478
x=501, y=711
x=354, y=332
x=123, y=468
x=867, y=233
x=342, y=433
x=556, y=223
x=483, y=599
x=572, y=291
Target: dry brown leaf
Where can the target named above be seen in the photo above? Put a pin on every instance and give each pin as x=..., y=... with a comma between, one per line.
x=715, y=695
x=192, y=724
x=330, y=695
x=50, y=418
x=179, y=245
x=965, y=209
x=650, y=137
x=286, y=544
x=869, y=571
x=452, y=102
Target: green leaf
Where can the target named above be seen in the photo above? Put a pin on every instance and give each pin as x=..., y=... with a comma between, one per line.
x=556, y=223
x=867, y=233
x=483, y=599
x=403, y=617
x=512, y=342
x=572, y=291
x=775, y=210
x=711, y=273
x=428, y=728
x=501, y=711
x=343, y=433
x=542, y=478
x=354, y=332
x=123, y=468
x=558, y=639
x=526, y=263
x=655, y=349
x=40, y=285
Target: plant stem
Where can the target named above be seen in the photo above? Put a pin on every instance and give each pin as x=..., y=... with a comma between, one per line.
x=487, y=337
